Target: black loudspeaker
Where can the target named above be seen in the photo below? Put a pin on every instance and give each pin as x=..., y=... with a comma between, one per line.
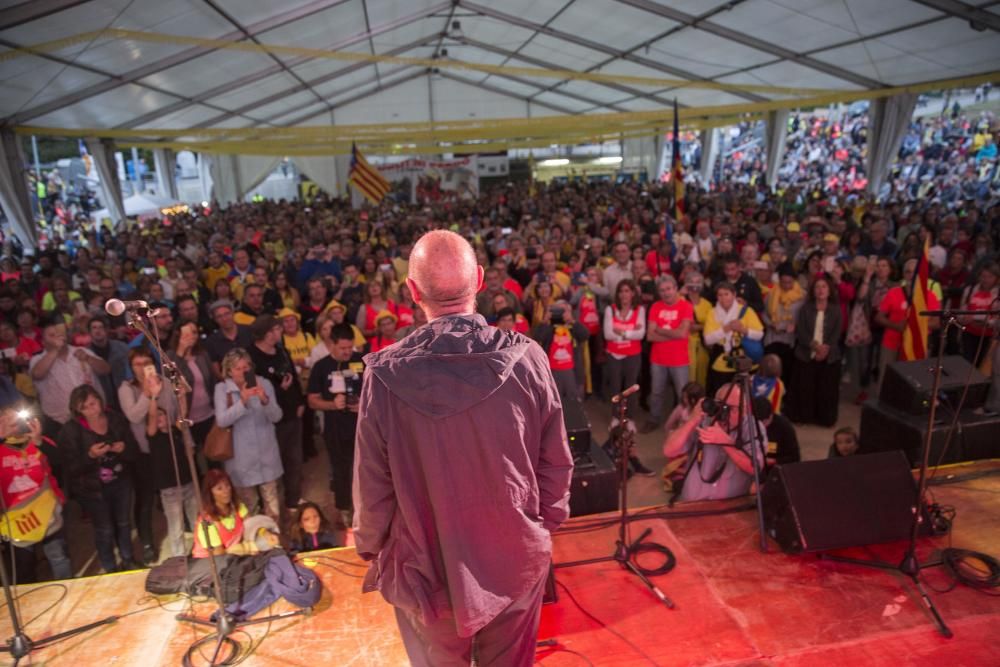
x=577, y=429
x=907, y=384
x=980, y=436
x=842, y=502
x=594, y=488
x=885, y=429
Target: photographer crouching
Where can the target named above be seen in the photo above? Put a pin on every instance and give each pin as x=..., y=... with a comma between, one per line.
x=711, y=450
x=32, y=500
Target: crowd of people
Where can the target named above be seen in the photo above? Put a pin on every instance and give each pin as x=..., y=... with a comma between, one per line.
x=948, y=158
x=267, y=311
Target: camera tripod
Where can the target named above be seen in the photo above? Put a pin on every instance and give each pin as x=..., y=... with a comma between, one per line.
x=625, y=552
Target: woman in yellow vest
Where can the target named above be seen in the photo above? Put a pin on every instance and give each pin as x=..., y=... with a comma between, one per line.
x=728, y=324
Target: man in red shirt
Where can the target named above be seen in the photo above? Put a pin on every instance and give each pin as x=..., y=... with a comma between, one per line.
x=892, y=313
x=669, y=325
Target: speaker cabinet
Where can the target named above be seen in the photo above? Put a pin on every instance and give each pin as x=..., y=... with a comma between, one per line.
x=594, y=488
x=907, y=384
x=842, y=502
x=577, y=429
x=886, y=429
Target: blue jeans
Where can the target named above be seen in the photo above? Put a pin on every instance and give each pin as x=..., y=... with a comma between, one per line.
x=110, y=512
x=56, y=552
x=178, y=502
x=658, y=376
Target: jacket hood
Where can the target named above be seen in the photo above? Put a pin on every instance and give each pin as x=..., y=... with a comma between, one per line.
x=448, y=365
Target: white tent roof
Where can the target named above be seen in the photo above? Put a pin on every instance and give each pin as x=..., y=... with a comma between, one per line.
x=134, y=83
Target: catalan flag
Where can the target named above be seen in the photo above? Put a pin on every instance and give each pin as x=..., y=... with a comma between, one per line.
x=677, y=168
x=914, y=343
x=367, y=178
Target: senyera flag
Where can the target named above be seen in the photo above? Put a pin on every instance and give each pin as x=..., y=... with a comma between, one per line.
x=914, y=342
x=366, y=178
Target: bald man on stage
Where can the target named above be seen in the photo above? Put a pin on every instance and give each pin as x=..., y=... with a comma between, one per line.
x=462, y=471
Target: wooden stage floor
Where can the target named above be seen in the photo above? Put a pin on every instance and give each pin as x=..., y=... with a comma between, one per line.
x=734, y=605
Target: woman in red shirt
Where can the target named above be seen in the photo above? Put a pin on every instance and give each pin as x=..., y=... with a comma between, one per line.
x=978, y=328
x=624, y=330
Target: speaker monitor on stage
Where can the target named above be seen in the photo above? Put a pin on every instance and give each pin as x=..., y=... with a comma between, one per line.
x=974, y=437
x=837, y=503
x=577, y=430
x=907, y=385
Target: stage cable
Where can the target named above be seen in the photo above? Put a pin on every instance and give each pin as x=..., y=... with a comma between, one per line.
x=603, y=625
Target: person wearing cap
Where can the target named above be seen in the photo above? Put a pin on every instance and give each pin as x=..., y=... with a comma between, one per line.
x=385, y=331
x=299, y=343
x=273, y=362
x=228, y=336
x=338, y=313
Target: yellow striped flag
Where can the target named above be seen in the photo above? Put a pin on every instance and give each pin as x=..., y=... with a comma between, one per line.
x=366, y=178
x=914, y=343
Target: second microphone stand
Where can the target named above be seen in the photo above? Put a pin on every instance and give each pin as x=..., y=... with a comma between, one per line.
x=625, y=551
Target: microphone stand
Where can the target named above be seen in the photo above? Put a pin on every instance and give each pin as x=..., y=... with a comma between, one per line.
x=910, y=565
x=20, y=645
x=224, y=623
x=624, y=551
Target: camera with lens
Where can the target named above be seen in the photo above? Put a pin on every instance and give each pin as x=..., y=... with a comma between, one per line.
x=718, y=411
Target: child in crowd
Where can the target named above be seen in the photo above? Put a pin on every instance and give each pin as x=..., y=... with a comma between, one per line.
x=311, y=531
x=690, y=395
x=673, y=472
x=845, y=443
x=767, y=383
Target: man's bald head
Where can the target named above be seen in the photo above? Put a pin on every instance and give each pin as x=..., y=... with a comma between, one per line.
x=443, y=274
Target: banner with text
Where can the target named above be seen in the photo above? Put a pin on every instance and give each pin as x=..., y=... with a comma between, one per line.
x=419, y=181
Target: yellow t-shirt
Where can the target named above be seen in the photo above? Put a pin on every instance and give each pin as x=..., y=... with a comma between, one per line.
x=300, y=345
x=228, y=522
x=701, y=312
x=211, y=276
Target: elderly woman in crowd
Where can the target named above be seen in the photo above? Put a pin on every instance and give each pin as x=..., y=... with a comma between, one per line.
x=247, y=403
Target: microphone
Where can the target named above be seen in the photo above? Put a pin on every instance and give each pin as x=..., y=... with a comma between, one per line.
x=617, y=398
x=116, y=307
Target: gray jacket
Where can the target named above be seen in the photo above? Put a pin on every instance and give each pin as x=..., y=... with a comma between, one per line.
x=256, y=458
x=462, y=469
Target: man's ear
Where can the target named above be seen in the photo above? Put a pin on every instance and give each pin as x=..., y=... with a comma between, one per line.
x=480, y=274
x=415, y=291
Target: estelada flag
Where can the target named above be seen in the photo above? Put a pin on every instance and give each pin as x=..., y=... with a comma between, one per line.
x=914, y=343
x=677, y=168
x=366, y=178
